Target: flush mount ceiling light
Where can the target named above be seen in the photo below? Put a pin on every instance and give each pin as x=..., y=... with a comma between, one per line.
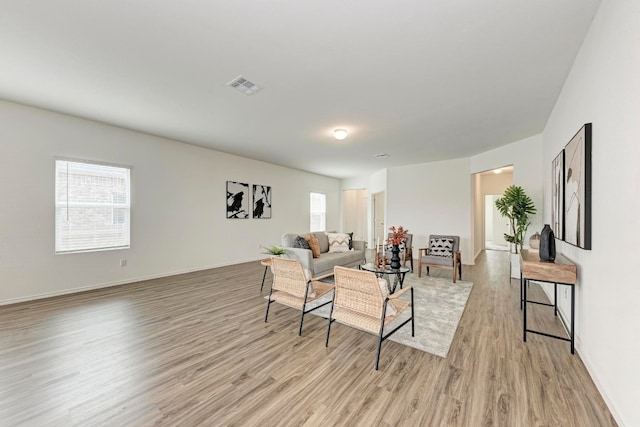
x=243, y=85
x=340, y=134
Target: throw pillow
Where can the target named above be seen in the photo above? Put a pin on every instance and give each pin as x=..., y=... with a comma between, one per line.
x=391, y=310
x=338, y=242
x=441, y=247
x=301, y=243
x=350, y=240
x=313, y=245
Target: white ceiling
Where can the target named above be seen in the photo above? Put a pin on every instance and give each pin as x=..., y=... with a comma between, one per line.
x=421, y=80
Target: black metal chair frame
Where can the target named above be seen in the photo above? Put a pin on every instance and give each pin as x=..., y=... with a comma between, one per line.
x=304, y=305
x=381, y=337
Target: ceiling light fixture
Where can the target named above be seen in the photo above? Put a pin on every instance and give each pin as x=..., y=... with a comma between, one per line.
x=243, y=85
x=497, y=170
x=340, y=134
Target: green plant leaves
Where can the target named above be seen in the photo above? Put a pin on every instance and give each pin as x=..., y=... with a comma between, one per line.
x=516, y=206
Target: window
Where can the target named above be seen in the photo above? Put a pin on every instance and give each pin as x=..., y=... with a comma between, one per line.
x=318, y=212
x=93, y=203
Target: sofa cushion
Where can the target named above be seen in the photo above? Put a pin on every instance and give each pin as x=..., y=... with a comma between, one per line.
x=338, y=242
x=329, y=260
x=323, y=240
x=301, y=243
x=288, y=239
x=313, y=244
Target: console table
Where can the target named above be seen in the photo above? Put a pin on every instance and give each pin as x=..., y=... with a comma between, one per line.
x=560, y=272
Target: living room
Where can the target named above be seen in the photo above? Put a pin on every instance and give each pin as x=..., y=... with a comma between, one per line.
x=178, y=200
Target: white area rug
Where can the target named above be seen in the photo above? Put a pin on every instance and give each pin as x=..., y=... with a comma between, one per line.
x=438, y=304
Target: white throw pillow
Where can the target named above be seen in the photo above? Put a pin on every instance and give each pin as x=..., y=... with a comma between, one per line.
x=338, y=242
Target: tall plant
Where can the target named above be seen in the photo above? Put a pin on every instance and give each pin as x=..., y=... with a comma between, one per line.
x=516, y=206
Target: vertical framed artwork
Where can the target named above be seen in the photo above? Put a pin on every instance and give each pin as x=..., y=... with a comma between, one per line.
x=577, y=189
x=261, y=201
x=557, y=196
x=237, y=200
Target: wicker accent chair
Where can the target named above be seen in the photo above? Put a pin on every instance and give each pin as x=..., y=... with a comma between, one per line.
x=292, y=288
x=406, y=253
x=359, y=302
x=443, y=251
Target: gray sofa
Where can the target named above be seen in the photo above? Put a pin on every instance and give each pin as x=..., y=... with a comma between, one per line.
x=328, y=260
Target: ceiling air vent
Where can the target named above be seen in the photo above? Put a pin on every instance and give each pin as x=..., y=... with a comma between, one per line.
x=244, y=86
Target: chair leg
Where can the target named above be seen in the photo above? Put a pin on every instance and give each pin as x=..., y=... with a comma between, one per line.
x=301, y=319
x=411, y=261
x=460, y=270
x=268, y=304
x=378, y=353
x=326, y=343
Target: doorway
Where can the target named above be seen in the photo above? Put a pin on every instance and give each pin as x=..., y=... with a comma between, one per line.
x=377, y=218
x=354, y=213
x=495, y=225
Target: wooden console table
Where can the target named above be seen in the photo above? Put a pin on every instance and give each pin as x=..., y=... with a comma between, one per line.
x=560, y=272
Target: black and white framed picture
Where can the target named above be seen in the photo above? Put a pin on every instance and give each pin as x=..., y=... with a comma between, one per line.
x=261, y=201
x=237, y=200
x=557, y=196
x=577, y=189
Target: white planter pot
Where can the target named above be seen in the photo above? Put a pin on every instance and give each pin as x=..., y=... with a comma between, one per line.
x=515, y=265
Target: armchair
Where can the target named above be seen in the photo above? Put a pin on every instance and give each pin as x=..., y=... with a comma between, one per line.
x=443, y=251
x=293, y=288
x=362, y=302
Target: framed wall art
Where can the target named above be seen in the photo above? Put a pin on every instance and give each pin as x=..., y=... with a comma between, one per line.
x=557, y=196
x=577, y=189
x=261, y=201
x=237, y=200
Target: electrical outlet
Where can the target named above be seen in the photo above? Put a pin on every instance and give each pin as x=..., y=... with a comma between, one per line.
x=123, y=263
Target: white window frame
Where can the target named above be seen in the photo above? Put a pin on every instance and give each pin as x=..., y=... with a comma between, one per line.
x=100, y=230
x=317, y=212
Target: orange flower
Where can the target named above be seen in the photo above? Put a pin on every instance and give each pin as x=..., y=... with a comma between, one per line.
x=398, y=235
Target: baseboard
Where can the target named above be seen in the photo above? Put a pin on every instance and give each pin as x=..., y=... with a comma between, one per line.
x=116, y=283
x=583, y=357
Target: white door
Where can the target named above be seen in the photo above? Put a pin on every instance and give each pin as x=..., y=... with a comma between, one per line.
x=378, y=218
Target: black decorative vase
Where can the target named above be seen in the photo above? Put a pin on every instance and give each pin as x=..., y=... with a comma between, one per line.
x=547, y=244
x=395, y=257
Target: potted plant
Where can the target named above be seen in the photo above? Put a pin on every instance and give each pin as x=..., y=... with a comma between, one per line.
x=516, y=206
x=274, y=250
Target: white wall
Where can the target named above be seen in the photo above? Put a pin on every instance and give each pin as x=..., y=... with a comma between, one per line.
x=603, y=88
x=432, y=198
x=526, y=157
x=178, y=205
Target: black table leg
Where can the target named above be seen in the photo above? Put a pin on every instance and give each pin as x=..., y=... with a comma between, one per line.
x=573, y=316
x=524, y=311
x=521, y=286
x=555, y=299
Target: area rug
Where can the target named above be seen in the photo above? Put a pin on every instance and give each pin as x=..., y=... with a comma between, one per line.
x=438, y=304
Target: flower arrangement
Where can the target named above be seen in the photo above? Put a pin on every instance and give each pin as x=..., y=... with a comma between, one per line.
x=398, y=235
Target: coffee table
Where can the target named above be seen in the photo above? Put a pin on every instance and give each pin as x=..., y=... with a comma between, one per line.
x=399, y=274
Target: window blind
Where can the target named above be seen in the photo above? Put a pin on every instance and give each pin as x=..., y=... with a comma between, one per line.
x=93, y=204
x=318, y=210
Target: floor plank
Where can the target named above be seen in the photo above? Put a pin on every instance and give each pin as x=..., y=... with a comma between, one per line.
x=194, y=350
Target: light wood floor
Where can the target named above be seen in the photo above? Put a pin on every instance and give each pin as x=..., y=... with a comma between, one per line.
x=194, y=350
